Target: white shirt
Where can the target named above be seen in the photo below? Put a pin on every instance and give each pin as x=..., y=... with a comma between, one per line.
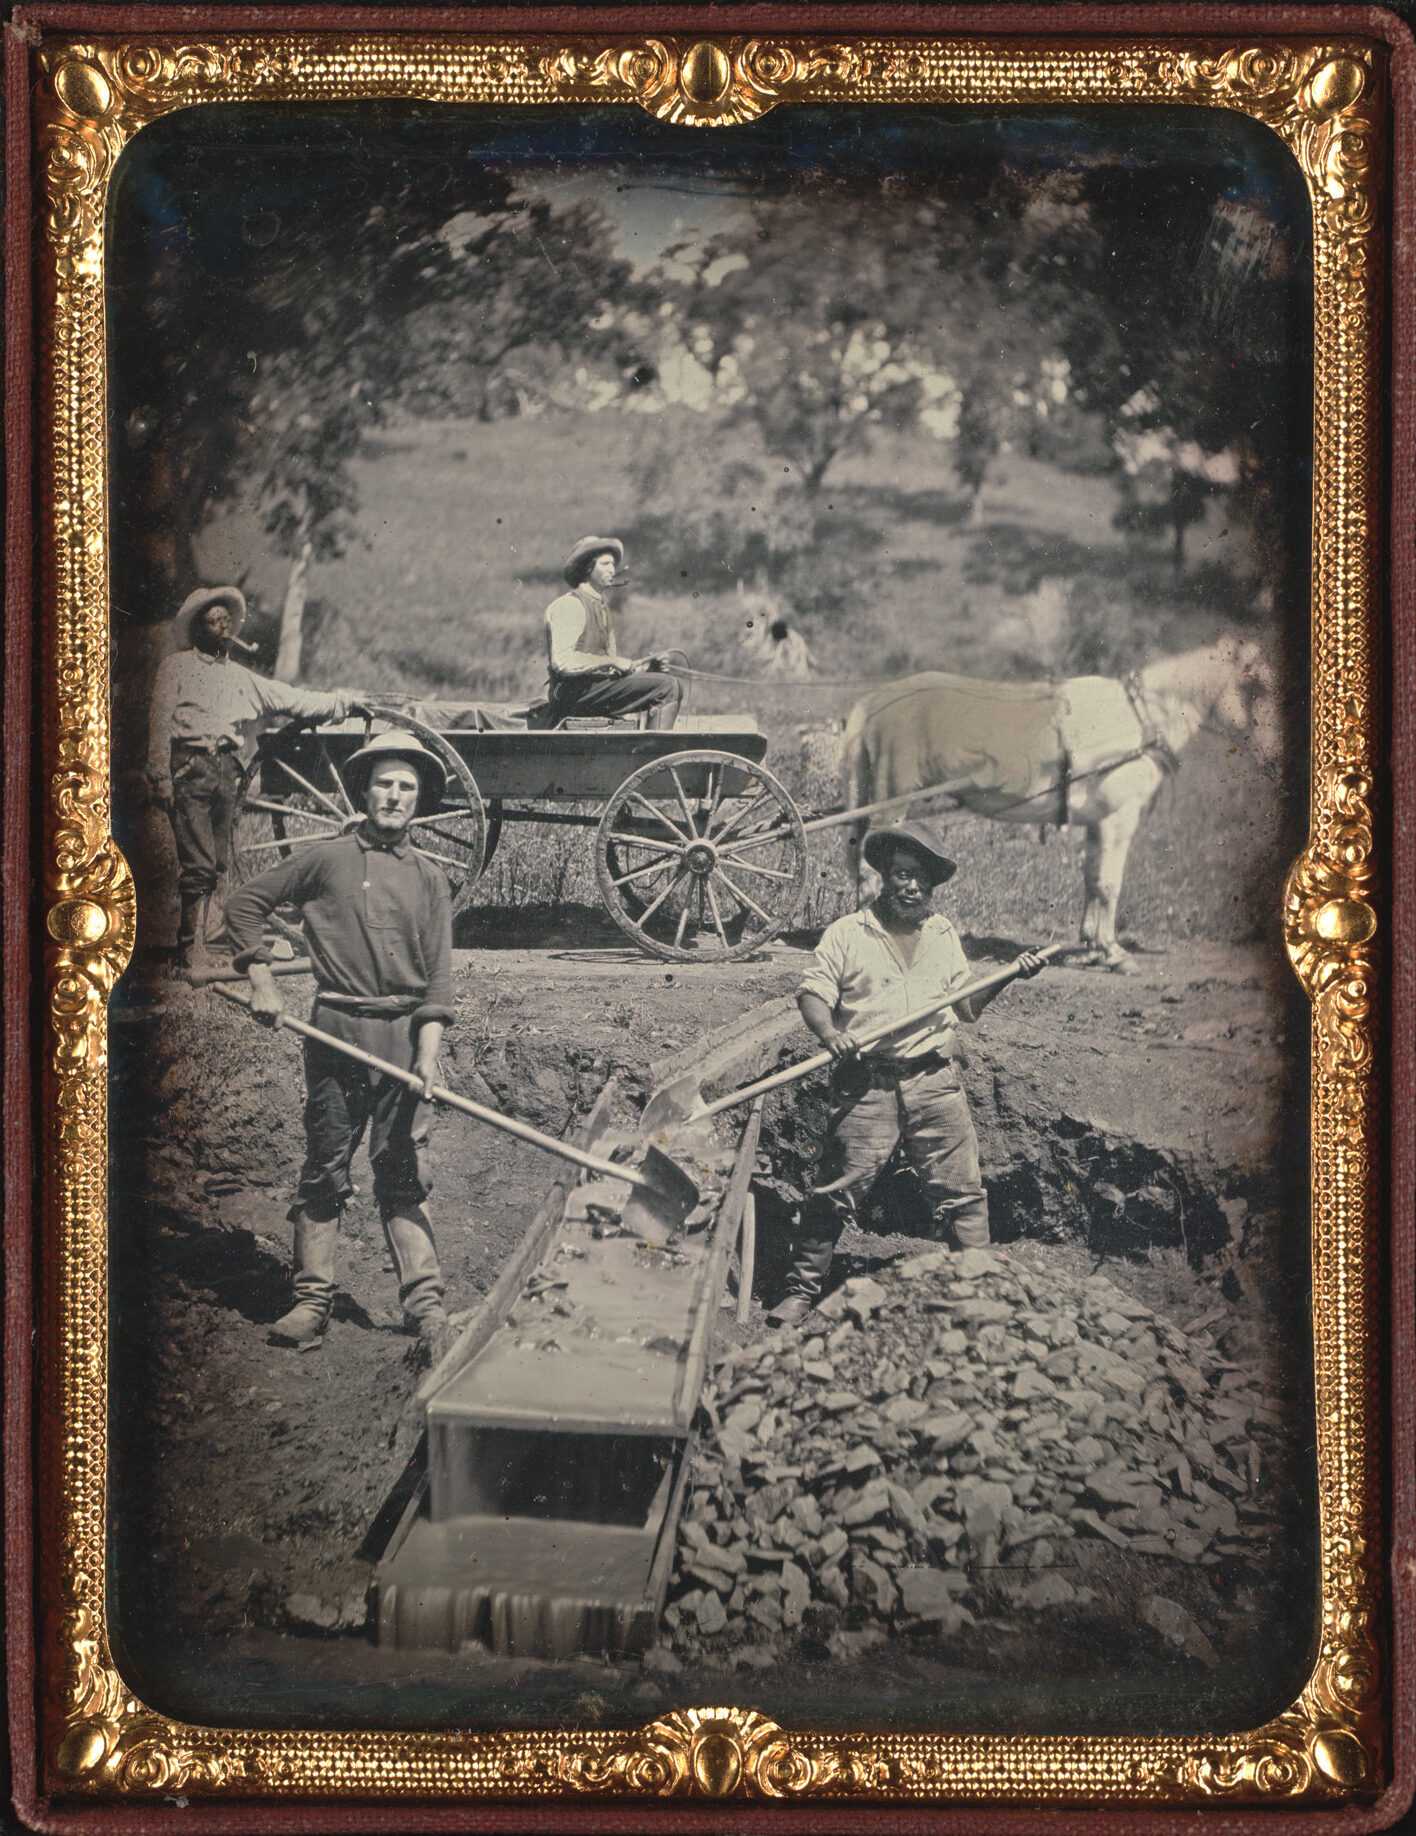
x=198, y=696
x=575, y=648
x=859, y=972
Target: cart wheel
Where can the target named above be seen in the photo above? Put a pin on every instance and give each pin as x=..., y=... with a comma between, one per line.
x=700, y=857
x=494, y=829
x=292, y=794
x=455, y=835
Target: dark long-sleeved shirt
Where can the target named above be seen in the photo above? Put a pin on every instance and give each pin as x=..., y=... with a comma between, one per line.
x=378, y=926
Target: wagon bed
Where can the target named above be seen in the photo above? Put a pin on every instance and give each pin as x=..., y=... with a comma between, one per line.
x=699, y=850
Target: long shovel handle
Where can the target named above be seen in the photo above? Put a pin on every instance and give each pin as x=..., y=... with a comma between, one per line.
x=608, y=1169
x=206, y=978
x=875, y=1035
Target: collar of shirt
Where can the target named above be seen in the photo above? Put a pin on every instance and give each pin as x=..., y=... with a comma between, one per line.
x=932, y=921
x=371, y=844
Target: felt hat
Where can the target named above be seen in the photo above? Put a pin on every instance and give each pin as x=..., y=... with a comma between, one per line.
x=196, y=603
x=588, y=546
x=880, y=844
x=397, y=744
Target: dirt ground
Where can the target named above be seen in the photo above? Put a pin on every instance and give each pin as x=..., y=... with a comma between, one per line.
x=1124, y=1121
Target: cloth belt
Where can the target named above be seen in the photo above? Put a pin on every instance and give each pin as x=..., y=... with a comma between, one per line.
x=370, y=1007
x=201, y=745
x=886, y=1073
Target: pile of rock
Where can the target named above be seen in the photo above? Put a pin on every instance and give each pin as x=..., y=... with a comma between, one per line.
x=961, y=1415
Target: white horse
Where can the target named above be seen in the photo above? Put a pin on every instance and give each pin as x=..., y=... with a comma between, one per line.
x=1090, y=751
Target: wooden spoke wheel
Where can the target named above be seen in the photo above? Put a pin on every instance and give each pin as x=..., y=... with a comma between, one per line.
x=700, y=857
x=292, y=794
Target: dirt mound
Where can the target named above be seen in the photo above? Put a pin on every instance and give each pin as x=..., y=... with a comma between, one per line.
x=952, y=1428
x=1050, y=1174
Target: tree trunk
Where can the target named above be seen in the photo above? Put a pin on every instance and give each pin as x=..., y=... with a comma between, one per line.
x=292, y=616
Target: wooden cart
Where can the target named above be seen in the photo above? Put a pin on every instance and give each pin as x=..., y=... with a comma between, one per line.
x=700, y=852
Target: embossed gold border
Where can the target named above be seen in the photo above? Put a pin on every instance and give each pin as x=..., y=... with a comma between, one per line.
x=1325, y=99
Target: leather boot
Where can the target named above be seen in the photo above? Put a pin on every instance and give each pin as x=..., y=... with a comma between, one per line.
x=214, y=933
x=304, y=1325
x=191, y=923
x=811, y=1264
x=409, y=1234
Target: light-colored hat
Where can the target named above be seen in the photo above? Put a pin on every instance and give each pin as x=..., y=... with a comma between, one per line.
x=196, y=603
x=880, y=844
x=592, y=545
x=396, y=744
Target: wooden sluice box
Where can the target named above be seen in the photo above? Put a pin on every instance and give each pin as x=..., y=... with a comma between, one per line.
x=558, y=1428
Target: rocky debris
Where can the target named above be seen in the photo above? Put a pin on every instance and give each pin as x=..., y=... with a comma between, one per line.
x=953, y=1425
x=1179, y=1628
x=319, y=1613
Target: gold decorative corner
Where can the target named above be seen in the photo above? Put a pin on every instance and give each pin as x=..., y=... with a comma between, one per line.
x=98, y=96
x=705, y=82
x=111, y=1741
x=1320, y=100
x=1329, y=1745
x=1330, y=922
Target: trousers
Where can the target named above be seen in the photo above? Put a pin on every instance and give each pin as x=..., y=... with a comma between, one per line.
x=343, y=1101
x=872, y=1114
x=204, y=791
x=590, y=696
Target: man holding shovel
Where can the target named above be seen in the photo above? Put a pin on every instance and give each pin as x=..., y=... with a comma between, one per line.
x=873, y=966
x=378, y=927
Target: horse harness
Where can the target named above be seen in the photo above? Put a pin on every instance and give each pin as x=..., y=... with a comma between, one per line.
x=1153, y=745
x=1152, y=739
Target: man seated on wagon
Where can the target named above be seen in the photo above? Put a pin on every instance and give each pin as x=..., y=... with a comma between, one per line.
x=589, y=677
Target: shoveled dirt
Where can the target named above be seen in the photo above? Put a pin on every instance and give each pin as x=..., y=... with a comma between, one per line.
x=1130, y=1126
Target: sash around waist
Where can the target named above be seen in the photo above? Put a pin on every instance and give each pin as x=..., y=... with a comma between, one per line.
x=370, y=1007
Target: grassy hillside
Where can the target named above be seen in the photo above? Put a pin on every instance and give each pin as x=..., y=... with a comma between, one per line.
x=465, y=525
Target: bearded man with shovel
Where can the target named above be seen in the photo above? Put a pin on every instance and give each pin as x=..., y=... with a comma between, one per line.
x=378, y=927
x=874, y=966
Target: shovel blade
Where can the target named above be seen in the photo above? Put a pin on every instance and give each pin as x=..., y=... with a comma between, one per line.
x=677, y=1101
x=657, y=1208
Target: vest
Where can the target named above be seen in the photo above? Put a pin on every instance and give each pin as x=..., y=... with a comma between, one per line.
x=598, y=637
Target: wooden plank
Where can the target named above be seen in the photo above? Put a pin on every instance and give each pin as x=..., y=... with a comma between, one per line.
x=494, y=1309
x=725, y=1231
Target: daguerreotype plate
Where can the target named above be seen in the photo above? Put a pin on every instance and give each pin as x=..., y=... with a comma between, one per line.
x=553, y=545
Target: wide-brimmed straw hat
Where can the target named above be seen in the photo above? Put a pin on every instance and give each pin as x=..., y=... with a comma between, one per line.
x=196, y=603
x=880, y=844
x=592, y=545
x=396, y=744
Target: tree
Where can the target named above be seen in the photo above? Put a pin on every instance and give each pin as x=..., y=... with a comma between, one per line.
x=277, y=294
x=533, y=288
x=1183, y=339
x=820, y=354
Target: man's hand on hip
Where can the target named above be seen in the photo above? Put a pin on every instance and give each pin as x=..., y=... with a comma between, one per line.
x=160, y=789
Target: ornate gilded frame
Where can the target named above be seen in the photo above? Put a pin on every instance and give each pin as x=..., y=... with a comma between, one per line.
x=1326, y=97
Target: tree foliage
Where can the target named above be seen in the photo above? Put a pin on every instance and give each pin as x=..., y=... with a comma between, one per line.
x=269, y=315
